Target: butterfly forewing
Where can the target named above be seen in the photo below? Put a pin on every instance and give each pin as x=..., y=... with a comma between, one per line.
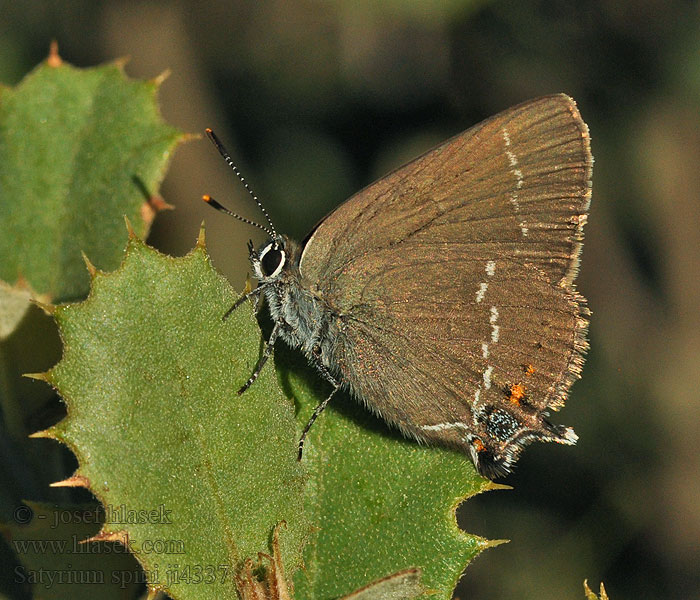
x=517, y=184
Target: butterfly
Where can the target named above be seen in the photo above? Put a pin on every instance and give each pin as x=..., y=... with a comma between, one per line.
x=442, y=296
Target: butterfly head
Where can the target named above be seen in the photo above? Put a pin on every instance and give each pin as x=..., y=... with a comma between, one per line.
x=270, y=259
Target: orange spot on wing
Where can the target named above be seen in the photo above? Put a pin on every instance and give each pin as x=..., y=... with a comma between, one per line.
x=479, y=445
x=517, y=393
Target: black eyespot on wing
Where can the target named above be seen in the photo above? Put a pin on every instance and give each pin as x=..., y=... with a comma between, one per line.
x=270, y=261
x=500, y=424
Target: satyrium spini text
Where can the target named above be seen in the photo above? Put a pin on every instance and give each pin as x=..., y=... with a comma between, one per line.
x=442, y=296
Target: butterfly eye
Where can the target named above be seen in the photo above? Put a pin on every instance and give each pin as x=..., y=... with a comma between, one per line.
x=271, y=261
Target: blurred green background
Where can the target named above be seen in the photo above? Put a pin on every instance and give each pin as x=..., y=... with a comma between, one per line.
x=318, y=98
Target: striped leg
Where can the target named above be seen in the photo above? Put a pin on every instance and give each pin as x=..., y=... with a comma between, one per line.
x=252, y=294
x=319, y=409
x=263, y=359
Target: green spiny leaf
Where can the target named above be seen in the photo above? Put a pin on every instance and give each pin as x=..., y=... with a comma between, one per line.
x=149, y=376
x=79, y=148
x=381, y=504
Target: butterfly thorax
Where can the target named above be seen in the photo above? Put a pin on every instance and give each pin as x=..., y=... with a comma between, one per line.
x=304, y=320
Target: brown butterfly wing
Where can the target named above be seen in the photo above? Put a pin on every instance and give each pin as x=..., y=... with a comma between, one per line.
x=453, y=275
x=527, y=167
x=429, y=355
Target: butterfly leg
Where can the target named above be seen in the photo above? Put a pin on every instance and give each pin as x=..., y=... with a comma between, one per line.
x=319, y=409
x=252, y=294
x=263, y=359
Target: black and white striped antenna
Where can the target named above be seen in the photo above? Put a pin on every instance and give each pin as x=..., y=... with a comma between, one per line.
x=271, y=231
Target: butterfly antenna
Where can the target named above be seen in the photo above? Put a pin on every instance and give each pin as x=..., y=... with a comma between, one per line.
x=214, y=204
x=272, y=232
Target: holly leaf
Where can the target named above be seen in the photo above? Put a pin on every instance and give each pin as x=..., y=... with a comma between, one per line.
x=79, y=149
x=149, y=375
x=193, y=478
